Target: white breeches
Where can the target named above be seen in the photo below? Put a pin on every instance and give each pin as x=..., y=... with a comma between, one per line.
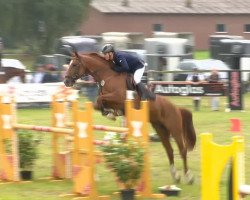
x=138, y=75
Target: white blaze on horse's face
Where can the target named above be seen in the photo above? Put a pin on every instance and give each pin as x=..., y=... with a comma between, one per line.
x=72, y=73
x=70, y=62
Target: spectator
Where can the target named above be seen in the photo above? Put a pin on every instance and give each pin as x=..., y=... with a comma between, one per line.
x=214, y=78
x=39, y=75
x=49, y=77
x=196, y=78
x=44, y=75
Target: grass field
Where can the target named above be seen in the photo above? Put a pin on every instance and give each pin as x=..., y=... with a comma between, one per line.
x=205, y=120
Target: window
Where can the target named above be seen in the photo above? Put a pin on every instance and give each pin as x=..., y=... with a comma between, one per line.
x=220, y=28
x=157, y=27
x=247, y=28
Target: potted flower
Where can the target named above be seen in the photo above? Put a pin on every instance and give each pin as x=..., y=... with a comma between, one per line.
x=27, y=153
x=125, y=157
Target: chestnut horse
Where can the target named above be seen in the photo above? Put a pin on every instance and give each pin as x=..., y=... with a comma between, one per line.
x=167, y=119
x=6, y=73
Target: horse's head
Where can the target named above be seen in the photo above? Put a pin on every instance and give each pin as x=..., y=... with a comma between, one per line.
x=75, y=70
x=84, y=64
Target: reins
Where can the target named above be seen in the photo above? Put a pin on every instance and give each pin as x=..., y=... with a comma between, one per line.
x=96, y=74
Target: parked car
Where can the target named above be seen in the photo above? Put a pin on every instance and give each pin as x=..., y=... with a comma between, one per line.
x=207, y=64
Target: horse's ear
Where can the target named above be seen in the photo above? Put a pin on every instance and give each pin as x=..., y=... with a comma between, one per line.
x=75, y=54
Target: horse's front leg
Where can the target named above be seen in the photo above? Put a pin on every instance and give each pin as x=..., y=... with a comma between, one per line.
x=109, y=97
x=98, y=105
x=109, y=111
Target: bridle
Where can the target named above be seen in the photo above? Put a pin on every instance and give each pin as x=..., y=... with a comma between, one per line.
x=95, y=73
x=76, y=75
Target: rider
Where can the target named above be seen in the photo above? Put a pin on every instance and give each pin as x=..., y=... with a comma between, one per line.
x=125, y=62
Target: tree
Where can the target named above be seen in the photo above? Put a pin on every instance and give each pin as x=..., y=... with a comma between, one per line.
x=40, y=22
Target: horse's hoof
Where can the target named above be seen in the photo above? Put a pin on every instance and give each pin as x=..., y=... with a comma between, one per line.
x=189, y=178
x=154, y=138
x=119, y=113
x=177, y=178
x=111, y=116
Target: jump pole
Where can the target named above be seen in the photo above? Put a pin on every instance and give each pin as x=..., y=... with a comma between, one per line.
x=9, y=162
x=62, y=163
x=214, y=158
x=95, y=126
x=137, y=124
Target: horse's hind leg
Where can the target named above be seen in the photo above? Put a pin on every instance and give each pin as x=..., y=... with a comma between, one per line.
x=165, y=139
x=183, y=152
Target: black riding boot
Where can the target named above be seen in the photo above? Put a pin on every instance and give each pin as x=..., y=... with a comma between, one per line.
x=145, y=93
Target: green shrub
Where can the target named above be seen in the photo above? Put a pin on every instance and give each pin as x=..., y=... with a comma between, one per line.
x=28, y=146
x=125, y=158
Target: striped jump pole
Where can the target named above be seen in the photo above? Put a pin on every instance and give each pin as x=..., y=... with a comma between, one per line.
x=104, y=128
x=214, y=158
x=75, y=107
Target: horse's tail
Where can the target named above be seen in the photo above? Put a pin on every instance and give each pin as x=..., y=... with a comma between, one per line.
x=188, y=128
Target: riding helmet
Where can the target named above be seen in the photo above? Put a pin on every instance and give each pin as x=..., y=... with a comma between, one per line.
x=108, y=48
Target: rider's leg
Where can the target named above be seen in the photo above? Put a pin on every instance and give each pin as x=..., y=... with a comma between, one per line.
x=138, y=75
x=145, y=93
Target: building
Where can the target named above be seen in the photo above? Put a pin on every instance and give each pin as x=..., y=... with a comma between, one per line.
x=201, y=17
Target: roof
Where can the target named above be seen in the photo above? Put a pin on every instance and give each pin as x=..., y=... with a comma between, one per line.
x=173, y=6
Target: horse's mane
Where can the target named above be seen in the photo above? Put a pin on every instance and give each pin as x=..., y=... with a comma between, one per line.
x=98, y=57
